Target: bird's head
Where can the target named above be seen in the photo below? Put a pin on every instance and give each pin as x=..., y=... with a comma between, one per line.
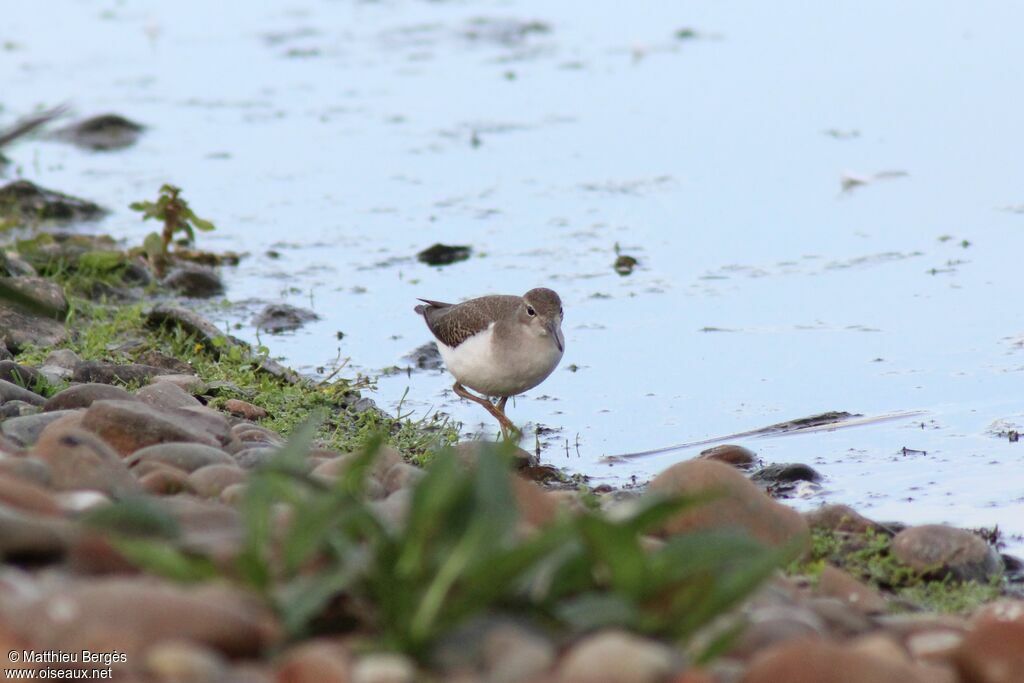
x=541, y=310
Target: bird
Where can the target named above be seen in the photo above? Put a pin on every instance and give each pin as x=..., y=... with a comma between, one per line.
x=498, y=345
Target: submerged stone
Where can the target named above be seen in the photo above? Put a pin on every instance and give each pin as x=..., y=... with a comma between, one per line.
x=102, y=133
x=25, y=203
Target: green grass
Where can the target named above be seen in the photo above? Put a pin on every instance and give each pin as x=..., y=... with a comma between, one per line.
x=462, y=554
x=867, y=557
x=97, y=330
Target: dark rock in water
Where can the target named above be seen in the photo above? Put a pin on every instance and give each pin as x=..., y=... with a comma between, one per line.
x=194, y=280
x=785, y=473
x=12, y=392
x=426, y=357
x=443, y=254
x=110, y=373
x=102, y=133
x=20, y=327
x=25, y=203
x=941, y=551
x=730, y=454
x=277, y=318
x=781, y=479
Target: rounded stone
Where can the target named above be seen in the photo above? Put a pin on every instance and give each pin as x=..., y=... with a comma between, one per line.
x=185, y=456
x=83, y=395
x=939, y=550
x=211, y=480
x=730, y=454
x=383, y=667
x=79, y=460
x=617, y=657
x=166, y=395
x=244, y=409
x=315, y=661
x=737, y=504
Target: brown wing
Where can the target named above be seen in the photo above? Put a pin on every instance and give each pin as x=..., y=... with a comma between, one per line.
x=453, y=324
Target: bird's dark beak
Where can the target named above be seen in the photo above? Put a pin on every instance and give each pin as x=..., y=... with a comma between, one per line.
x=552, y=328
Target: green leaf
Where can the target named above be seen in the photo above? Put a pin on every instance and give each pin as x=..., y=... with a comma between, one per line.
x=201, y=224
x=161, y=558
x=596, y=610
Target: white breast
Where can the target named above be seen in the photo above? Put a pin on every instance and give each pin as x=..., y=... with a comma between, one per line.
x=475, y=365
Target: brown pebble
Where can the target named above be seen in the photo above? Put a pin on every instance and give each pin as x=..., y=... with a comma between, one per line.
x=165, y=481
x=315, y=661
x=209, y=481
x=24, y=495
x=244, y=409
x=730, y=454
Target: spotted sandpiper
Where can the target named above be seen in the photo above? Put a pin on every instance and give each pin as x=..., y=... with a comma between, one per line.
x=498, y=345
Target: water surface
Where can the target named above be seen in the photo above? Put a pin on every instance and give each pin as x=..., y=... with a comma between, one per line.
x=333, y=140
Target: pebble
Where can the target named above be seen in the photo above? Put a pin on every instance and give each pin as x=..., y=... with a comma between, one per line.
x=840, y=518
x=617, y=657
x=738, y=504
x=383, y=667
x=20, y=329
x=65, y=359
x=277, y=318
x=836, y=583
x=244, y=409
x=178, y=661
x=194, y=280
x=80, y=460
x=184, y=456
x=21, y=375
x=185, y=382
x=102, y=133
x=819, y=661
x=131, y=425
x=28, y=468
x=166, y=395
x=785, y=473
x=29, y=537
x=211, y=480
x=12, y=392
x=939, y=550
x=769, y=625
x=165, y=481
x=315, y=661
x=27, y=496
x=27, y=429
x=250, y=458
x=83, y=396
x=730, y=454
x=992, y=651
x=17, y=409
x=513, y=654
x=131, y=614
x=111, y=373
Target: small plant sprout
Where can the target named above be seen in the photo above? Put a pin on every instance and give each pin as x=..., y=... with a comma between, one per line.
x=176, y=216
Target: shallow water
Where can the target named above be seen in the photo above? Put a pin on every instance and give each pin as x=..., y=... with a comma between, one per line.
x=347, y=136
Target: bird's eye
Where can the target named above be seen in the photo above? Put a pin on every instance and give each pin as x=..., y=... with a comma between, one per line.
x=561, y=313
x=530, y=312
